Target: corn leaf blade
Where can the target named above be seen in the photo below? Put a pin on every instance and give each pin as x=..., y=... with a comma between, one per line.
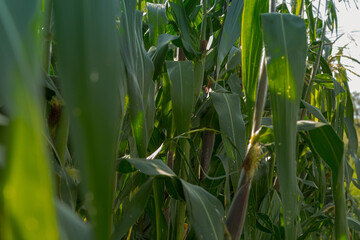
x=90, y=81
x=251, y=49
x=285, y=46
x=140, y=70
x=232, y=125
x=181, y=74
x=27, y=196
x=231, y=30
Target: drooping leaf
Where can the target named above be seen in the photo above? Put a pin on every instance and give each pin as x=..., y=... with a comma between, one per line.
x=330, y=147
x=232, y=125
x=91, y=88
x=231, y=30
x=140, y=70
x=133, y=209
x=304, y=125
x=153, y=167
x=205, y=212
x=285, y=47
x=314, y=111
x=188, y=35
x=158, y=55
x=270, y=206
x=354, y=223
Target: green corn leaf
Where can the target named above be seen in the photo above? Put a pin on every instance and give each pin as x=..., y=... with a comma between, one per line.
x=352, y=135
x=314, y=111
x=205, y=211
x=91, y=86
x=298, y=6
x=157, y=21
x=331, y=149
x=133, y=209
x=328, y=145
x=153, y=167
x=270, y=206
x=232, y=125
x=181, y=74
x=234, y=83
x=27, y=195
x=285, y=46
x=140, y=70
x=349, y=110
x=158, y=55
x=160, y=221
x=189, y=37
x=234, y=58
x=231, y=30
x=251, y=49
x=198, y=79
x=304, y=125
x=354, y=223
x=71, y=226
x=311, y=20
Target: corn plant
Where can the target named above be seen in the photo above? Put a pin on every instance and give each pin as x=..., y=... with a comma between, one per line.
x=177, y=119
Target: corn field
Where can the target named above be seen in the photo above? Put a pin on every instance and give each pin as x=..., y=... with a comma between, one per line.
x=175, y=119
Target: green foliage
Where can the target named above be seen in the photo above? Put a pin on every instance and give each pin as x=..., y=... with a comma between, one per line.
x=159, y=120
x=285, y=47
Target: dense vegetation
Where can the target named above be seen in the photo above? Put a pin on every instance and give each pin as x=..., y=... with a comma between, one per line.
x=178, y=119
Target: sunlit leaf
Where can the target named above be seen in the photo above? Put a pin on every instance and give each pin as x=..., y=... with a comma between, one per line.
x=251, y=49
x=314, y=111
x=285, y=46
x=27, y=195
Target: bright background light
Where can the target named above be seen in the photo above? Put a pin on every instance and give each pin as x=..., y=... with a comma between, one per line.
x=349, y=25
x=348, y=15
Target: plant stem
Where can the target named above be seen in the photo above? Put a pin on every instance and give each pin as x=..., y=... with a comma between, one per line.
x=62, y=132
x=206, y=151
x=203, y=24
x=260, y=99
x=271, y=171
x=181, y=205
x=341, y=228
x=179, y=220
x=156, y=190
x=314, y=71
